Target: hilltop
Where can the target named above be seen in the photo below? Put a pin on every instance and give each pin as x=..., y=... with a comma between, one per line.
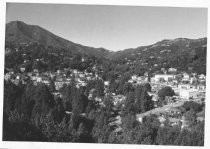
x=19, y=32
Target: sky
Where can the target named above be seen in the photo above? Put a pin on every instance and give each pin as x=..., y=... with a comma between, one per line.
x=112, y=27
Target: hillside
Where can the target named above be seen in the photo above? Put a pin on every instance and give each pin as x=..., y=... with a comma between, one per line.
x=181, y=53
x=19, y=32
x=161, y=49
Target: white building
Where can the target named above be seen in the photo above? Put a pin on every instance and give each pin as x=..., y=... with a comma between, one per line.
x=188, y=93
x=118, y=99
x=22, y=69
x=7, y=76
x=134, y=77
x=58, y=84
x=166, y=77
x=106, y=83
x=186, y=77
x=202, y=77
x=39, y=79
x=172, y=70
x=47, y=82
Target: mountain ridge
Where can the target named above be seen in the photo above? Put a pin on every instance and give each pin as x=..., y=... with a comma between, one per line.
x=18, y=31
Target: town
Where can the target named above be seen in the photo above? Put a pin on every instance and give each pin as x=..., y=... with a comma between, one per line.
x=186, y=87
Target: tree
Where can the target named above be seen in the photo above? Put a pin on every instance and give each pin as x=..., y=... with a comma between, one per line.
x=130, y=106
x=108, y=102
x=12, y=96
x=192, y=137
x=58, y=111
x=190, y=116
x=52, y=86
x=96, y=84
x=167, y=135
x=79, y=102
x=188, y=105
x=57, y=132
x=143, y=100
x=166, y=91
x=43, y=100
x=139, y=133
x=127, y=87
x=101, y=129
x=17, y=127
x=148, y=87
x=83, y=133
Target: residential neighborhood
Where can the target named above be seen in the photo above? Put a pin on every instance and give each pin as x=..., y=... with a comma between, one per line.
x=188, y=87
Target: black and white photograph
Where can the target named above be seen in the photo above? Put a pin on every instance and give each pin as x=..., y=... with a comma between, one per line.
x=104, y=74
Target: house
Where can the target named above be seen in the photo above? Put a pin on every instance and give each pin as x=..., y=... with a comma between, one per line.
x=83, y=84
x=88, y=78
x=75, y=71
x=165, y=77
x=52, y=75
x=161, y=119
x=118, y=130
x=57, y=94
x=92, y=94
x=7, y=76
x=184, y=86
x=202, y=77
x=172, y=70
x=29, y=74
x=106, y=83
x=146, y=74
x=174, y=111
x=59, y=71
x=193, y=80
x=134, y=77
x=175, y=121
x=39, y=79
x=47, y=82
x=36, y=70
x=130, y=81
x=81, y=75
x=201, y=87
x=18, y=77
x=22, y=69
x=140, y=119
x=189, y=93
x=186, y=77
x=118, y=99
x=98, y=99
x=201, y=116
x=83, y=59
x=59, y=84
x=16, y=81
x=154, y=96
x=162, y=69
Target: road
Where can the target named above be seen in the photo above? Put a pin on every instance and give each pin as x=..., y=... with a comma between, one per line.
x=161, y=109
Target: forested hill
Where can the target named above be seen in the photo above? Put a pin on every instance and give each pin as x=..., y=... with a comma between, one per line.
x=18, y=32
x=163, y=47
x=181, y=53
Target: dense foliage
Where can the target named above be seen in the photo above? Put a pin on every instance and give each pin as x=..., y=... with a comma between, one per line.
x=31, y=113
